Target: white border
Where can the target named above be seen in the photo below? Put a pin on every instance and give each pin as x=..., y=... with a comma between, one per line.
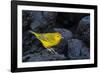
x=53, y=63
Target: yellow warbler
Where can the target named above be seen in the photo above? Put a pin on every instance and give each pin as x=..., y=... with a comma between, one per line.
x=48, y=40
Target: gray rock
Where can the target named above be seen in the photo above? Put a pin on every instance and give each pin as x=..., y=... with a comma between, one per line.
x=84, y=24
x=77, y=49
x=50, y=15
x=35, y=24
x=74, y=47
x=86, y=37
x=42, y=19
x=25, y=15
x=36, y=48
x=44, y=56
x=26, y=58
x=85, y=53
x=84, y=29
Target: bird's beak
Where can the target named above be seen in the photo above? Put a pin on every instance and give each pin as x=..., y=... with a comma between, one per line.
x=62, y=37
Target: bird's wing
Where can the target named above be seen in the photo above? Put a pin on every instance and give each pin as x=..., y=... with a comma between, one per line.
x=47, y=40
x=44, y=38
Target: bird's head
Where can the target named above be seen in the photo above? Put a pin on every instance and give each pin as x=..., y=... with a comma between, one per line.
x=57, y=36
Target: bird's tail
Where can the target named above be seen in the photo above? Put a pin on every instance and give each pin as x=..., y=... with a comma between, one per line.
x=32, y=32
x=37, y=35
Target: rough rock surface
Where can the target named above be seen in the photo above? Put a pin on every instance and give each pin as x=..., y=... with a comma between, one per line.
x=44, y=55
x=84, y=29
x=77, y=49
x=42, y=20
x=84, y=24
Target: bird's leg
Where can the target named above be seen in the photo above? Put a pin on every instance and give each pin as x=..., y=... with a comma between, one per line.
x=49, y=49
x=53, y=50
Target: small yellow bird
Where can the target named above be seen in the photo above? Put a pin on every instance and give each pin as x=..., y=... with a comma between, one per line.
x=48, y=40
